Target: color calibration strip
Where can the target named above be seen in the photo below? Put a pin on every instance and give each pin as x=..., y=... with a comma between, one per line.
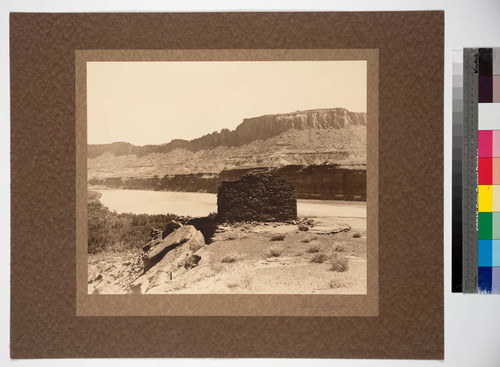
x=469, y=171
x=457, y=119
x=488, y=171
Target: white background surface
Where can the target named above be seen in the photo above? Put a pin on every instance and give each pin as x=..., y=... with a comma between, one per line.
x=472, y=322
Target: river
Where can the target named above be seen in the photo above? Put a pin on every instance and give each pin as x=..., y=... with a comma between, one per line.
x=197, y=204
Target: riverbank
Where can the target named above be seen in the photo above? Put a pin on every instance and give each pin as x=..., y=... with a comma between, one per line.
x=331, y=212
x=252, y=258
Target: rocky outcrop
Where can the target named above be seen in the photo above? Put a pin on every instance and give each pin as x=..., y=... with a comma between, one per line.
x=268, y=126
x=172, y=241
x=163, y=259
x=251, y=129
x=257, y=197
x=174, y=254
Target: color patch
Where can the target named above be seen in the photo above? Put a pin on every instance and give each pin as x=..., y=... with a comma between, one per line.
x=496, y=88
x=485, y=142
x=485, y=198
x=495, y=174
x=496, y=115
x=495, y=253
x=495, y=281
x=485, y=171
x=484, y=277
x=495, y=224
x=485, y=222
x=496, y=198
x=485, y=89
x=485, y=61
x=485, y=252
x=485, y=116
x=496, y=143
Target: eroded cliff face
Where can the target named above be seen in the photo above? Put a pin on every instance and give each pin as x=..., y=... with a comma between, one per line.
x=251, y=129
x=325, y=182
x=265, y=127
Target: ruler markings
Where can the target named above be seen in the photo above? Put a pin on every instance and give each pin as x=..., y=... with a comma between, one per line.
x=470, y=171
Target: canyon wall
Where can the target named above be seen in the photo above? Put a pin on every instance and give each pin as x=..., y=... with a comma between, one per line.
x=325, y=182
x=251, y=129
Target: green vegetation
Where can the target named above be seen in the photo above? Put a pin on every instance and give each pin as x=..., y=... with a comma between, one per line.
x=109, y=231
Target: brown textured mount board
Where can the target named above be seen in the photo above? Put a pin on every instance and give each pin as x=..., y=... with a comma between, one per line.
x=410, y=191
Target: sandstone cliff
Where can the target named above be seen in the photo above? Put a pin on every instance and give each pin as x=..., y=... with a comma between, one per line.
x=250, y=130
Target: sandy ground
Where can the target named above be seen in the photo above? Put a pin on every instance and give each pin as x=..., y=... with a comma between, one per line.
x=247, y=258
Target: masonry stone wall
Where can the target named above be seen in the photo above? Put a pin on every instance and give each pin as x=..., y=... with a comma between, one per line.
x=257, y=197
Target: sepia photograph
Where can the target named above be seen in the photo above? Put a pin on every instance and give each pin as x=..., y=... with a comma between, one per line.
x=227, y=177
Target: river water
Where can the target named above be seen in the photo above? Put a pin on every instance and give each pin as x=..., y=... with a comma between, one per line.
x=197, y=204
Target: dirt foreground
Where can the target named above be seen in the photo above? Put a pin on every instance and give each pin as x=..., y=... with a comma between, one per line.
x=252, y=258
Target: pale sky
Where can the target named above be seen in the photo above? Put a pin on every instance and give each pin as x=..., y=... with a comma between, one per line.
x=155, y=102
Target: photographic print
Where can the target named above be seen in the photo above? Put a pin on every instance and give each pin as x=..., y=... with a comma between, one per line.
x=227, y=177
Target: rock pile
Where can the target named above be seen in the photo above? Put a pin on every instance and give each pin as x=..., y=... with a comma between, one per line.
x=163, y=259
x=257, y=197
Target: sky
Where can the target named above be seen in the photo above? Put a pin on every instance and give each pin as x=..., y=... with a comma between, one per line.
x=155, y=102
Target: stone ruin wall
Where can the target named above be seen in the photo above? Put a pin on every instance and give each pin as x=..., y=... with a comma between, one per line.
x=257, y=197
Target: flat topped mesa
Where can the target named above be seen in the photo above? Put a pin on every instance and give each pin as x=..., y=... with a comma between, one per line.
x=257, y=197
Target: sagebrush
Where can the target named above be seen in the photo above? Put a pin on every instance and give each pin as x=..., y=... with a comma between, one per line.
x=109, y=231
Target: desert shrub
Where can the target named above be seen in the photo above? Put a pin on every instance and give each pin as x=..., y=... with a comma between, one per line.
x=313, y=249
x=319, y=258
x=303, y=227
x=310, y=239
x=231, y=258
x=339, y=263
x=356, y=235
x=273, y=252
x=278, y=237
x=336, y=283
x=338, y=247
x=93, y=195
x=216, y=268
x=246, y=280
x=109, y=231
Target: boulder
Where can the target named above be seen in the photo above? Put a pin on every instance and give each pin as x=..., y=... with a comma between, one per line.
x=206, y=225
x=171, y=227
x=148, y=246
x=180, y=236
x=177, y=255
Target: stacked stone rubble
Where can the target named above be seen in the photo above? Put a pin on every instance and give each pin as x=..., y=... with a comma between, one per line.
x=257, y=197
